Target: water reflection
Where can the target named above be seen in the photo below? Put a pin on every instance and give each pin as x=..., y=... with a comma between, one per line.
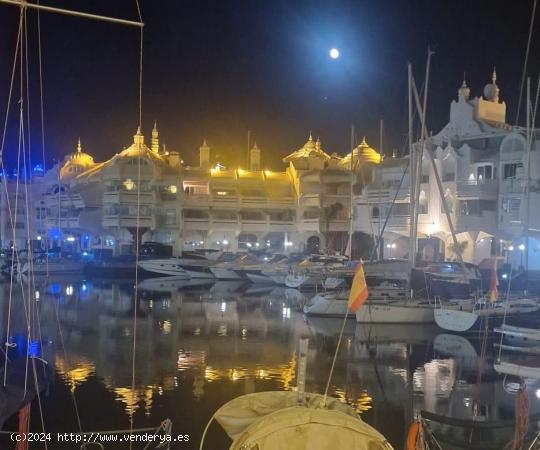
x=199, y=346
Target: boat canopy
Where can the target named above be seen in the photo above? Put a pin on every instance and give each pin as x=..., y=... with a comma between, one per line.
x=274, y=420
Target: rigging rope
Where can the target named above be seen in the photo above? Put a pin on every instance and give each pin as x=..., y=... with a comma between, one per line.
x=524, y=74
x=137, y=227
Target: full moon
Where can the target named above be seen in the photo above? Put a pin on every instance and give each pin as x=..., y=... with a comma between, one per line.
x=334, y=53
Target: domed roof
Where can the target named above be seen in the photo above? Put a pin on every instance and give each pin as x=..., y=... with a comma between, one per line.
x=362, y=154
x=310, y=148
x=76, y=163
x=491, y=90
x=79, y=157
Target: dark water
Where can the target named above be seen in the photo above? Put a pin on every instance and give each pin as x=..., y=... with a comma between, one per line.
x=197, y=347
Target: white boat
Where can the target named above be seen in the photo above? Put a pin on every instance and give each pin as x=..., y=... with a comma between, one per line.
x=266, y=272
x=164, y=284
x=295, y=280
x=519, y=336
x=327, y=306
x=400, y=311
x=226, y=270
x=335, y=304
x=464, y=319
x=224, y=273
x=167, y=266
x=519, y=370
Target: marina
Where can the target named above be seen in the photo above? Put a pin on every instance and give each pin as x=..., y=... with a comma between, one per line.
x=180, y=287
x=206, y=345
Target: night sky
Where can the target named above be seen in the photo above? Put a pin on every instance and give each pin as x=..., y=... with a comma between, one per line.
x=215, y=70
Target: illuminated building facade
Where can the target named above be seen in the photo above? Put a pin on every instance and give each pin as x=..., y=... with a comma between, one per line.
x=304, y=207
x=482, y=162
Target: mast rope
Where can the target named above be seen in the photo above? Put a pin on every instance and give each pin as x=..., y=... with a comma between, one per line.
x=525, y=62
x=137, y=227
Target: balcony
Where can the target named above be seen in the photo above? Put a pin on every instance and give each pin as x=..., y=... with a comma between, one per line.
x=196, y=200
x=310, y=201
x=487, y=189
x=123, y=197
x=62, y=222
x=125, y=221
x=485, y=221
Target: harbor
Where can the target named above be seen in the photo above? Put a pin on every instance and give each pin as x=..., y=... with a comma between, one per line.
x=258, y=227
x=205, y=346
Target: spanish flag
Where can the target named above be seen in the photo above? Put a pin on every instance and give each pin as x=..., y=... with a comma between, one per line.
x=493, y=282
x=359, y=290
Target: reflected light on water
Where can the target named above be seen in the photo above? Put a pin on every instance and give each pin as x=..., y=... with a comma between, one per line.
x=75, y=375
x=360, y=404
x=132, y=398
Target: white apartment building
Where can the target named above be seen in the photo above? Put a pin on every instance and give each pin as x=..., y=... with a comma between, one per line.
x=482, y=162
x=149, y=193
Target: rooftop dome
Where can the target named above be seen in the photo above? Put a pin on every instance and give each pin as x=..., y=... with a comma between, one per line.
x=79, y=156
x=76, y=162
x=362, y=154
x=491, y=90
x=310, y=148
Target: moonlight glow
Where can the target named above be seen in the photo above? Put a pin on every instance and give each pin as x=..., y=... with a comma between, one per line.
x=334, y=53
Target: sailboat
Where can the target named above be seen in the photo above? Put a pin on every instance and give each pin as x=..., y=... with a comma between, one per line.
x=413, y=310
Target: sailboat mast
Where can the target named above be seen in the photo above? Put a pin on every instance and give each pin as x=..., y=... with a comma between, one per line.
x=528, y=178
x=412, y=164
x=379, y=190
x=348, y=251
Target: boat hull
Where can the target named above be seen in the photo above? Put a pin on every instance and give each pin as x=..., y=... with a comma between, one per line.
x=395, y=313
x=164, y=267
x=221, y=273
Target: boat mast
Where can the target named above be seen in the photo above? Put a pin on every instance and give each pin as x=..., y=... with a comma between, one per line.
x=429, y=151
x=348, y=250
x=528, y=180
x=381, y=152
x=412, y=164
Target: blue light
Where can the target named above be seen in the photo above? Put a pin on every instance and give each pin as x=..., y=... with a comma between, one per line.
x=38, y=168
x=86, y=237
x=55, y=288
x=84, y=287
x=85, y=253
x=34, y=349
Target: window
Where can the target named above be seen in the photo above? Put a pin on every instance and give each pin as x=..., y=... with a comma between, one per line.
x=449, y=176
x=423, y=208
x=463, y=208
x=511, y=205
x=425, y=178
x=511, y=170
x=400, y=209
x=484, y=173
x=375, y=213
x=476, y=207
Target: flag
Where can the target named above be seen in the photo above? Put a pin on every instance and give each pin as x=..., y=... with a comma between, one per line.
x=359, y=290
x=493, y=282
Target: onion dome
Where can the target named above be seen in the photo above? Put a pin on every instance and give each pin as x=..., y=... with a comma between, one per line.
x=491, y=90
x=76, y=162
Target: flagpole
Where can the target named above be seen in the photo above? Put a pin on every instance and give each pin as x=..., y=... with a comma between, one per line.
x=357, y=297
x=335, y=356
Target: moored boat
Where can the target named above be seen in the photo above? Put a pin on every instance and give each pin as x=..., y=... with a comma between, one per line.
x=464, y=319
